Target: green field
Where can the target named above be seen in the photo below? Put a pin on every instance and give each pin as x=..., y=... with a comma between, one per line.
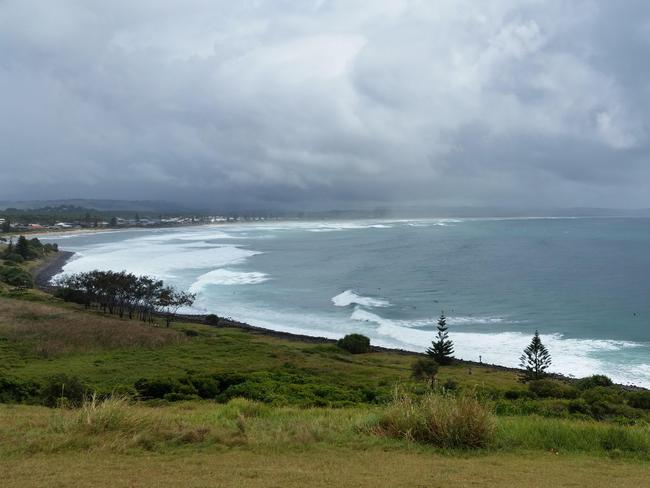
x=216, y=406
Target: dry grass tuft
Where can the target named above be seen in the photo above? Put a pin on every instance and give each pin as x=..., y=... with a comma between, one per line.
x=54, y=331
x=446, y=421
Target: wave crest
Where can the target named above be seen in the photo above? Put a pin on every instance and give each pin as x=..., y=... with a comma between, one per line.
x=228, y=277
x=349, y=297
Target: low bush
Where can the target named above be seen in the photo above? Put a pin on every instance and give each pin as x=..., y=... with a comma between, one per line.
x=355, y=343
x=424, y=369
x=15, y=276
x=63, y=390
x=593, y=381
x=13, y=257
x=450, y=385
x=296, y=389
x=15, y=391
x=445, y=421
x=524, y=406
x=206, y=386
x=639, y=399
x=602, y=394
x=211, y=319
x=551, y=389
x=579, y=406
x=149, y=389
x=515, y=394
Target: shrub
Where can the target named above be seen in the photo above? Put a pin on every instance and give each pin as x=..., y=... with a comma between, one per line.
x=15, y=276
x=63, y=390
x=424, y=369
x=211, y=319
x=593, y=381
x=602, y=394
x=450, y=385
x=639, y=399
x=155, y=388
x=579, y=406
x=206, y=386
x=444, y=421
x=551, y=389
x=515, y=394
x=13, y=257
x=355, y=343
x=600, y=409
x=15, y=391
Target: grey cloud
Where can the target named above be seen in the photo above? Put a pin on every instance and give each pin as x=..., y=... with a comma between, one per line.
x=326, y=102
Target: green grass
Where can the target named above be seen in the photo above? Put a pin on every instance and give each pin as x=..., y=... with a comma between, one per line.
x=117, y=425
x=291, y=436
x=43, y=339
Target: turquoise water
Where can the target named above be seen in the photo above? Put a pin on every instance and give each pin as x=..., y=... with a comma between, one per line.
x=584, y=283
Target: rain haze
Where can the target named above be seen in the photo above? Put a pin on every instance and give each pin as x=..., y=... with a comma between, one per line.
x=322, y=104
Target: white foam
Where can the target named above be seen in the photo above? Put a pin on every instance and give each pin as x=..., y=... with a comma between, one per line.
x=577, y=357
x=349, y=297
x=156, y=257
x=227, y=277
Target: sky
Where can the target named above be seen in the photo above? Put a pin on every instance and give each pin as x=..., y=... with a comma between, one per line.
x=327, y=104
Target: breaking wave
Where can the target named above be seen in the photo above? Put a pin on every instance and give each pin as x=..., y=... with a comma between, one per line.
x=349, y=297
x=227, y=277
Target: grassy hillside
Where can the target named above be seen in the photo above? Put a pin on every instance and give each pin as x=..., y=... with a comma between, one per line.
x=217, y=406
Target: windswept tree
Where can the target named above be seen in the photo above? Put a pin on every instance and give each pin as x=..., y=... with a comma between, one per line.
x=536, y=359
x=442, y=348
x=169, y=301
x=121, y=293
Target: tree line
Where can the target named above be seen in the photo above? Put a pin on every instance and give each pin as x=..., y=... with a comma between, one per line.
x=124, y=294
x=24, y=249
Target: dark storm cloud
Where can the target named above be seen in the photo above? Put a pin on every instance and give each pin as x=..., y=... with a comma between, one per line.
x=326, y=103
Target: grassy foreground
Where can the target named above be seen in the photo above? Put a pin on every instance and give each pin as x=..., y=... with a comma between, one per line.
x=313, y=415
x=245, y=443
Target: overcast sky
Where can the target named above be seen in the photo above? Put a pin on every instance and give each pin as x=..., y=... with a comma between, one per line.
x=327, y=103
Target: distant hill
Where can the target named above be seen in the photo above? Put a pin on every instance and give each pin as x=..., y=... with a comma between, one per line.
x=367, y=212
x=101, y=205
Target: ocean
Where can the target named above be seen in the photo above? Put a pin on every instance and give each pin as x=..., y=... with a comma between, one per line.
x=584, y=283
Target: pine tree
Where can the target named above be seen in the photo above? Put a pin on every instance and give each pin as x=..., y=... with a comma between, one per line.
x=442, y=347
x=22, y=247
x=536, y=359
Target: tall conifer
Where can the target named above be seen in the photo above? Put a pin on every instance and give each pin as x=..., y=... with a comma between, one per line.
x=442, y=348
x=536, y=359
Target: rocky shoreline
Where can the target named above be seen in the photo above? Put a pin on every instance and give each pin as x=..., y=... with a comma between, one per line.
x=48, y=269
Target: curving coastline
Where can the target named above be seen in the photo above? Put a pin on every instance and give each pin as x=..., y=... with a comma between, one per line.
x=43, y=273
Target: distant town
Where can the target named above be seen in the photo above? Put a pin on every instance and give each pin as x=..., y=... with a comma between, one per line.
x=49, y=219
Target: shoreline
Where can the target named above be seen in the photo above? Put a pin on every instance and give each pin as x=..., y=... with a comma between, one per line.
x=44, y=272
x=42, y=275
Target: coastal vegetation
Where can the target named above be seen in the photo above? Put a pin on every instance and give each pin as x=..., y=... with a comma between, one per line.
x=355, y=343
x=123, y=293
x=536, y=359
x=17, y=258
x=75, y=379
x=442, y=348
